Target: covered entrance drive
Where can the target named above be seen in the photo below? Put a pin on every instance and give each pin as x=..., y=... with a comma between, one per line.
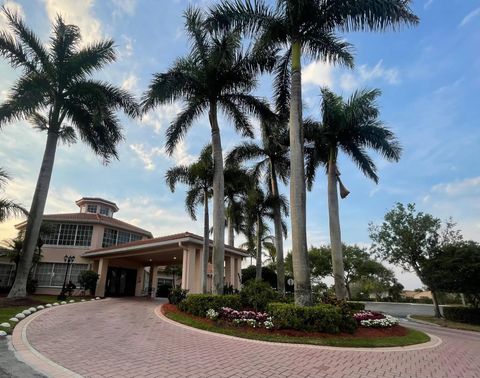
x=124, y=269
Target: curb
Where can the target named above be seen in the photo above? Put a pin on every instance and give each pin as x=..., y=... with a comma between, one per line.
x=26, y=353
x=434, y=342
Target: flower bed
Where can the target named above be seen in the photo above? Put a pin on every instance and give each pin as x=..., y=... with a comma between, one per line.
x=249, y=318
x=372, y=319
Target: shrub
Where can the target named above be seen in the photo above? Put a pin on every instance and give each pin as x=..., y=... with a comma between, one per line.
x=321, y=318
x=250, y=318
x=88, y=280
x=268, y=275
x=199, y=304
x=256, y=295
x=469, y=315
x=355, y=306
x=176, y=295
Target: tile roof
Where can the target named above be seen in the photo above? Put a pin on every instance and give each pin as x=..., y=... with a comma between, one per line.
x=147, y=242
x=92, y=218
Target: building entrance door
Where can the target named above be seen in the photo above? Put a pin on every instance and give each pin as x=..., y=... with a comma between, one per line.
x=120, y=282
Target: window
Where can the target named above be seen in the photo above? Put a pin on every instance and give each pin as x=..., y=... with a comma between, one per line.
x=104, y=210
x=109, y=237
x=53, y=274
x=84, y=236
x=114, y=237
x=70, y=234
x=67, y=234
x=6, y=275
x=91, y=208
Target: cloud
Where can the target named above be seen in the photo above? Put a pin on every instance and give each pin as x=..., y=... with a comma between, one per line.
x=459, y=199
x=126, y=51
x=125, y=7
x=350, y=81
x=13, y=7
x=78, y=13
x=469, y=17
x=161, y=117
x=428, y=4
x=148, y=155
x=318, y=73
x=130, y=83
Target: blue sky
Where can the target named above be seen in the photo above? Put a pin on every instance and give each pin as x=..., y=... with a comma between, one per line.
x=429, y=77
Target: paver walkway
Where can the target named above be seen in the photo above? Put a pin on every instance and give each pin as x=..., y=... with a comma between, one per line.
x=125, y=338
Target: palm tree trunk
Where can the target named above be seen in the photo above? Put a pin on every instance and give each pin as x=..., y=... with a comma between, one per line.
x=218, y=256
x=231, y=231
x=206, y=243
x=19, y=288
x=436, y=305
x=258, y=272
x=335, y=233
x=277, y=221
x=301, y=271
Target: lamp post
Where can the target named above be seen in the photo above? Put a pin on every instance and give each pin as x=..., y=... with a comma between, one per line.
x=69, y=260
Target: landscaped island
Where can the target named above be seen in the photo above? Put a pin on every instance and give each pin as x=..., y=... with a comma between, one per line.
x=258, y=313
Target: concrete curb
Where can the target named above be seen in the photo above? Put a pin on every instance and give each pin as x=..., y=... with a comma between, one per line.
x=26, y=353
x=434, y=342
x=413, y=320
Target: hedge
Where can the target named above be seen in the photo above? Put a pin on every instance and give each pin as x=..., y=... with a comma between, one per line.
x=469, y=315
x=199, y=304
x=320, y=318
x=356, y=306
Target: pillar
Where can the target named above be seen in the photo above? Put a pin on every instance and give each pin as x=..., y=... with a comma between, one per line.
x=102, y=279
x=229, y=270
x=184, y=269
x=189, y=276
x=154, y=279
x=140, y=283
x=237, y=270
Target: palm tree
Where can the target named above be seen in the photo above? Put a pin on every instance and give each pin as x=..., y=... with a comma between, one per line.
x=259, y=206
x=351, y=127
x=272, y=161
x=56, y=93
x=216, y=75
x=8, y=208
x=199, y=178
x=305, y=28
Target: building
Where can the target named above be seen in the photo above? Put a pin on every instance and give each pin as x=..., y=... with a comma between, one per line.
x=122, y=254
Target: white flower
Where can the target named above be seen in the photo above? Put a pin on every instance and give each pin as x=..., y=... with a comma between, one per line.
x=388, y=321
x=268, y=324
x=212, y=314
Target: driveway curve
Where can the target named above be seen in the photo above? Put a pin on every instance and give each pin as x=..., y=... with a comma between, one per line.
x=125, y=338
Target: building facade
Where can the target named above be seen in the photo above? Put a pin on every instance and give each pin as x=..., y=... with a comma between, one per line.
x=127, y=258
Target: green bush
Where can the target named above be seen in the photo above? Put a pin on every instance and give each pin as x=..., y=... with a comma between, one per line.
x=176, y=295
x=199, y=304
x=321, y=318
x=355, y=306
x=88, y=280
x=468, y=315
x=256, y=295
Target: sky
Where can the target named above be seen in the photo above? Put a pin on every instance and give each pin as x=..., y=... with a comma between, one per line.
x=429, y=76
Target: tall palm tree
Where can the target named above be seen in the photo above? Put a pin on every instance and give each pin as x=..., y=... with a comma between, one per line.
x=56, y=93
x=305, y=28
x=351, y=127
x=199, y=179
x=8, y=208
x=215, y=75
x=272, y=161
x=259, y=206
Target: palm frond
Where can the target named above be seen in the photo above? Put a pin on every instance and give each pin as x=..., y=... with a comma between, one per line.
x=179, y=173
x=10, y=209
x=90, y=58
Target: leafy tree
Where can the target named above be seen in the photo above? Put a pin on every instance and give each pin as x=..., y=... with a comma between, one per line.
x=8, y=208
x=409, y=239
x=305, y=28
x=456, y=269
x=215, y=75
x=271, y=161
x=199, y=178
x=268, y=275
x=350, y=127
x=55, y=93
x=176, y=271
x=88, y=280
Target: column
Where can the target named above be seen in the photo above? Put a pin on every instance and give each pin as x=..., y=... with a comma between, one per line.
x=102, y=280
x=198, y=270
x=191, y=270
x=229, y=270
x=236, y=281
x=239, y=272
x=154, y=278
x=139, y=284
x=184, y=269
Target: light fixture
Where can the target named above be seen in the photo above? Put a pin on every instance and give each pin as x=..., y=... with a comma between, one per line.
x=150, y=260
x=174, y=257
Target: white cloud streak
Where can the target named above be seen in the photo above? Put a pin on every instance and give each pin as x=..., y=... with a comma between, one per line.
x=469, y=17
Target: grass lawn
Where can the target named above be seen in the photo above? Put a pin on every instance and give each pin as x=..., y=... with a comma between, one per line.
x=8, y=308
x=447, y=323
x=412, y=336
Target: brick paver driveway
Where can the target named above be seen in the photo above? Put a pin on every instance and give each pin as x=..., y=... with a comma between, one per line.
x=125, y=338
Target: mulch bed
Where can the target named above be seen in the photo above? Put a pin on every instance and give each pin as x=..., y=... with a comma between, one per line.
x=27, y=302
x=361, y=332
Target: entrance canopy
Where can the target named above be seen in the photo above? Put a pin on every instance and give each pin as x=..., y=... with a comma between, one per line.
x=185, y=248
